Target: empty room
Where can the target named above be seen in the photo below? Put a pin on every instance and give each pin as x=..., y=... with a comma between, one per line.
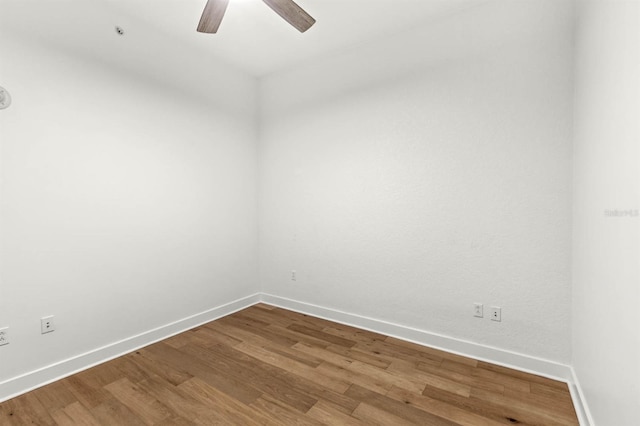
x=356, y=212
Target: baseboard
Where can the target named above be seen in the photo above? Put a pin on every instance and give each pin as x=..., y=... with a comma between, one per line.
x=579, y=401
x=526, y=363
x=26, y=382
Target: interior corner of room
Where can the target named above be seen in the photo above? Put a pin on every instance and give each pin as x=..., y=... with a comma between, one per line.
x=467, y=180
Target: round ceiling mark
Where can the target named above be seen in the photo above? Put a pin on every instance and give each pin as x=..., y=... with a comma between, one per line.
x=119, y=30
x=5, y=98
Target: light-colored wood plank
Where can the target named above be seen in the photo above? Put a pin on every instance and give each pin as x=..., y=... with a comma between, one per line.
x=279, y=413
x=296, y=337
x=404, y=369
x=62, y=418
x=240, y=331
x=80, y=415
x=405, y=411
x=374, y=416
x=149, y=409
x=181, y=404
x=355, y=354
x=532, y=378
x=425, y=350
x=465, y=380
x=225, y=380
x=392, y=351
x=213, y=337
x=529, y=412
x=88, y=395
x=321, y=335
x=505, y=415
x=560, y=393
x=334, y=356
x=293, y=366
x=354, y=377
x=157, y=367
x=441, y=409
x=328, y=414
x=354, y=334
x=508, y=381
x=35, y=408
x=114, y=413
x=191, y=336
x=55, y=396
x=228, y=410
x=263, y=377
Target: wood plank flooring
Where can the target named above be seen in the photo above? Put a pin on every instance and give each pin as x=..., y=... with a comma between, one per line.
x=270, y=366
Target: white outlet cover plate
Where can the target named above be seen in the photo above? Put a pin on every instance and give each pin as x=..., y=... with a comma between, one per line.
x=478, y=310
x=47, y=325
x=496, y=314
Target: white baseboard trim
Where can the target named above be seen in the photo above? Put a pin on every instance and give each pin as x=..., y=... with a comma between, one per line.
x=579, y=401
x=526, y=363
x=32, y=380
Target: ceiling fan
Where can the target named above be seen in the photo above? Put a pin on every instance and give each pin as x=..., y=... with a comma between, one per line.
x=292, y=13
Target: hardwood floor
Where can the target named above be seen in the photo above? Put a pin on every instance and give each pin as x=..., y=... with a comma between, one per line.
x=266, y=365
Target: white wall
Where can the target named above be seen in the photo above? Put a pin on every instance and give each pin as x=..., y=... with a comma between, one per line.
x=407, y=179
x=127, y=202
x=606, y=253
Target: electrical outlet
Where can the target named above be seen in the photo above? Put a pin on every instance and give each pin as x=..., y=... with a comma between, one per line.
x=293, y=275
x=4, y=336
x=496, y=313
x=47, y=325
x=478, y=310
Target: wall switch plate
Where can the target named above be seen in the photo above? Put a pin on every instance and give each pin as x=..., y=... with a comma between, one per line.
x=4, y=336
x=293, y=275
x=478, y=310
x=496, y=313
x=47, y=325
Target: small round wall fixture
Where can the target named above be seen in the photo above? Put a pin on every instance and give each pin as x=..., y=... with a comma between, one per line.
x=119, y=30
x=5, y=98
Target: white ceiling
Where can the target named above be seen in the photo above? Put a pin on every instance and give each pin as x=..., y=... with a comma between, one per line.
x=252, y=37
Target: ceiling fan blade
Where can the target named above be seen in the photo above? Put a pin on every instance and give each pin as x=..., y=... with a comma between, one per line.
x=292, y=13
x=212, y=16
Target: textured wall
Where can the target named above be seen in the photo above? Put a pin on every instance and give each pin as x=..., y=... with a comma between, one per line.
x=403, y=180
x=406, y=179
x=606, y=249
x=126, y=204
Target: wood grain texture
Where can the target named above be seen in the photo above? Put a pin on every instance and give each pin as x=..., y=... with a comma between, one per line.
x=292, y=13
x=212, y=16
x=270, y=366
